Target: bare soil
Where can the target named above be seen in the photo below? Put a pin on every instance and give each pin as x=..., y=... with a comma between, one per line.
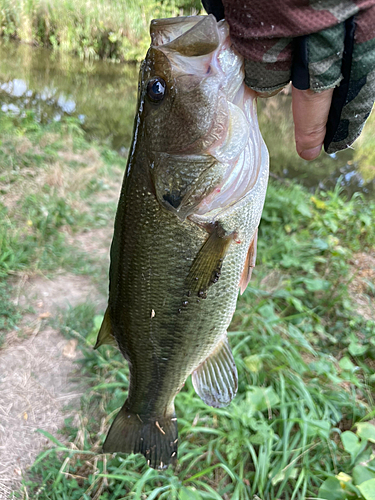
x=37, y=367
x=36, y=386
x=361, y=288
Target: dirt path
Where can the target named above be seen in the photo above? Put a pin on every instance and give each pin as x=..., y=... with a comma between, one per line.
x=35, y=388
x=361, y=288
x=36, y=370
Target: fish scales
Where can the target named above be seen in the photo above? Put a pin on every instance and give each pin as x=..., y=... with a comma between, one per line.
x=186, y=224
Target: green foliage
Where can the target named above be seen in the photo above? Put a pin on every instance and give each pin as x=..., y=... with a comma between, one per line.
x=316, y=236
x=91, y=29
x=300, y=425
x=38, y=212
x=9, y=314
x=361, y=485
x=29, y=231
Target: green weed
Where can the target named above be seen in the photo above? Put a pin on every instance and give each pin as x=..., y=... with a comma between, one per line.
x=91, y=29
x=300, y=426
x=9, y=313
x=49, y=182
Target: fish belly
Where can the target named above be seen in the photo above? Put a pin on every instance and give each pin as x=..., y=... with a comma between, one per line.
x=164, y=330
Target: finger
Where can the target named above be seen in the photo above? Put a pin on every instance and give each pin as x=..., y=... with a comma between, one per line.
x=310, y=114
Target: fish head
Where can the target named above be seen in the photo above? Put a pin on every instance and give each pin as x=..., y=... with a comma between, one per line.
x=180, y=89
x=192, y=96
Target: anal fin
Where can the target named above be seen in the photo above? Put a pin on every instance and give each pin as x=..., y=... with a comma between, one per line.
x=206, y=267
x=105, y=335
x=215, y=380
x=249, y=263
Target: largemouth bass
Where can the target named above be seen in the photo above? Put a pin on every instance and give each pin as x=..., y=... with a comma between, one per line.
x=185, y=231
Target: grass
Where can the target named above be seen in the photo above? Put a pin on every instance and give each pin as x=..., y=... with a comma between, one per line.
x=50, y=176
x=302, y=423
x=91, y=29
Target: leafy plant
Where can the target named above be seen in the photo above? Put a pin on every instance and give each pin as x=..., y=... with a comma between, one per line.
x=299, y=426
x=90, y=29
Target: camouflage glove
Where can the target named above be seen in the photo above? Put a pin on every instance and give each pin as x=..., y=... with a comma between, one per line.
x=316, y=44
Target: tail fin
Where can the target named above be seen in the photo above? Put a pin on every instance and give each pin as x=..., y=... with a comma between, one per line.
x=155, y=438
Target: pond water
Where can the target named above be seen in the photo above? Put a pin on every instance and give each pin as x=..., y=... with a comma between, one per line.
x=102, y=95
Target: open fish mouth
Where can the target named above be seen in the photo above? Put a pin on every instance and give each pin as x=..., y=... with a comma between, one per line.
x=198, y=48
x=202, y=39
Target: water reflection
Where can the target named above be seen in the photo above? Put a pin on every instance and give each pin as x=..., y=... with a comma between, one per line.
x=103, y=96
x=57, y=104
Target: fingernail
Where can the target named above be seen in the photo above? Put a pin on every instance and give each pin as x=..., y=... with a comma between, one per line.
x=311, y=154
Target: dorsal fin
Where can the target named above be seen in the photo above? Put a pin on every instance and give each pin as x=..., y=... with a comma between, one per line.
x=249, y=263
x=105, y=335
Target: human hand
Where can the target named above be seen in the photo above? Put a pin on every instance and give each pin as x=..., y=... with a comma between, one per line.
x=327, y=53
x=310, y=114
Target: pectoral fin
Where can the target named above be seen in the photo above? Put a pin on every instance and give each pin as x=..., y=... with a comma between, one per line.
x=249, y=263
x=105, y=335
x=215, y=380
x=206, y=268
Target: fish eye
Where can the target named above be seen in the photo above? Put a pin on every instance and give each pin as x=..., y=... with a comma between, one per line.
x=156, y=89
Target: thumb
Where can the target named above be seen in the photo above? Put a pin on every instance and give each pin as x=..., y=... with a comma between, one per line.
x=310, y=114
